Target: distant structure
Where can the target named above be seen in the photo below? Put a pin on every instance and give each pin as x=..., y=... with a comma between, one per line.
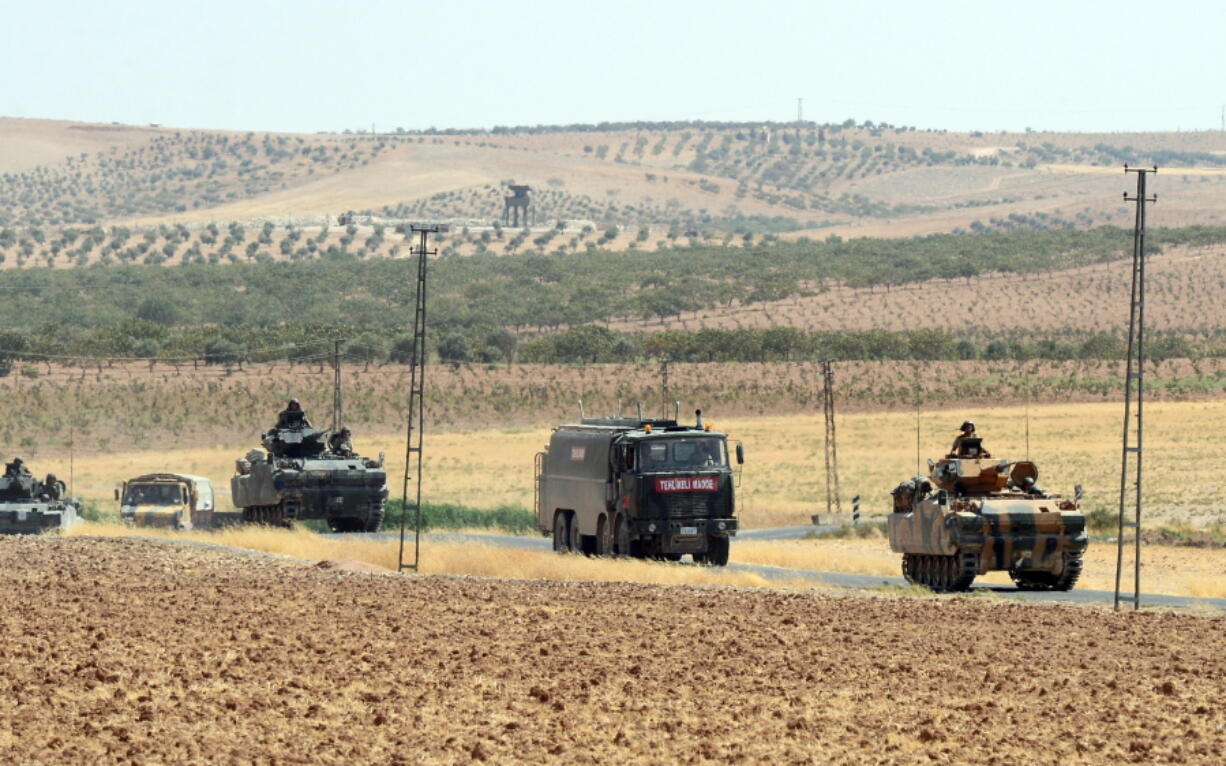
x=518, y=201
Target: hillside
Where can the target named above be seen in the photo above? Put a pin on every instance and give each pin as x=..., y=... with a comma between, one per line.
x=677, y=179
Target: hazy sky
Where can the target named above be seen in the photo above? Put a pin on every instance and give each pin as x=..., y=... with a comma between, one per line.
x=310, y=65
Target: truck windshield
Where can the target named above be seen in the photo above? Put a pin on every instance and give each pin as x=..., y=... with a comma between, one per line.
x=683, y=454
x=153, y=494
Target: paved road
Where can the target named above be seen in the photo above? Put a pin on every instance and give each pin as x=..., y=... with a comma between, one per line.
x=833, y=579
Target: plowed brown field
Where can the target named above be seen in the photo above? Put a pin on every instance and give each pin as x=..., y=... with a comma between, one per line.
x=143, y=652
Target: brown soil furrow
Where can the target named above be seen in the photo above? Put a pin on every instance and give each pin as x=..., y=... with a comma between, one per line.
x=125, y=651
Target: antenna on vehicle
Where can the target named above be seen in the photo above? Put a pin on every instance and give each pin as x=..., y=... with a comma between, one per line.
x=582, y=414
x=664, y=388
x=336, y=385
x=640, y=409
x=1027, y=422
x=619, y=408
x=917, y=437
x=677, y=410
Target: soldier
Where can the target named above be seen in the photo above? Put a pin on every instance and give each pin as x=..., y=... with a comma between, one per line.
x=340, y=443
x=16, y=468
x=968, y=432
x=52, y=487
x=293, y=416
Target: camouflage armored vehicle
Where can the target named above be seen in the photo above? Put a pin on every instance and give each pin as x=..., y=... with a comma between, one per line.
x=296, y=477
x=975, y=514
x=635, y=487
x=29, y=506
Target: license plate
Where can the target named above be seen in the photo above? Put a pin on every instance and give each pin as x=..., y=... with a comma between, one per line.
x=689, y=530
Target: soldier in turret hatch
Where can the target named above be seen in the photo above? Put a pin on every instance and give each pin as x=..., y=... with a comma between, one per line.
x=340, y=442
x=968, y=444
x=293, y=416
x=16, y=468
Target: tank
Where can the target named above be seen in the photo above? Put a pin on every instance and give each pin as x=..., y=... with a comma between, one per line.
x=974, y=514
x=29, y=506
x=296, y=478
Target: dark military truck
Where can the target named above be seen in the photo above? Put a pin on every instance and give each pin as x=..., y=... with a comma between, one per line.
x=641, y=488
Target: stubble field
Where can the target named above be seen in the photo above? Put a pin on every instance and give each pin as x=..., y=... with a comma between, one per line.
x=211, y=657
x=783, y=482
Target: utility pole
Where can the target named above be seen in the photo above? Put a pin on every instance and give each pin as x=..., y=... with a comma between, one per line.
x=831, y=443
x=1134, y=378
x=417, y=396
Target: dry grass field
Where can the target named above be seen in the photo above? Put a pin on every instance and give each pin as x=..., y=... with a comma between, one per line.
x=1170, y=570
x=122, y=408
x=782, y=482
x=212, y=657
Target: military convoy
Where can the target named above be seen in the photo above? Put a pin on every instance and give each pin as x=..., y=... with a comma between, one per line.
x=644, y=488
x=296, y=477
x=975, y=514
x=30, y=506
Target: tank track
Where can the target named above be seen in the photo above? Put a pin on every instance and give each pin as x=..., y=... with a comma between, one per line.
x=943, y=574
x=1068, y=577
x=268, y=515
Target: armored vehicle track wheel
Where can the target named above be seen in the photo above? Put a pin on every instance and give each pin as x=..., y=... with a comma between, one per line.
x=1031, y=580
x=375, y=519
x=943, y=574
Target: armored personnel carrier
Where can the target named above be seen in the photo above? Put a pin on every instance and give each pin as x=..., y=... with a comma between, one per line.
x=29, y=506
x=975, y=514
x=295, y=477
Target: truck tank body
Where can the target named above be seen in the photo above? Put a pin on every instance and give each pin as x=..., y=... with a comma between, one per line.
x=642, y=488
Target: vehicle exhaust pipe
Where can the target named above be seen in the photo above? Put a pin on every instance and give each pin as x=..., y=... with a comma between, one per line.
x=698, y=419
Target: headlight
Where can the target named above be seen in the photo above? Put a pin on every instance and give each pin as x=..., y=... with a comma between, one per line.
x=651, y=527
x=722, y=526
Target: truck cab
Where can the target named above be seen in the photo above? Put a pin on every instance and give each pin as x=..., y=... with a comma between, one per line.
x=173, y=500
x=641, y=488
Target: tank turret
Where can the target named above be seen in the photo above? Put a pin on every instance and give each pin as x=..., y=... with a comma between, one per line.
x=295, y=442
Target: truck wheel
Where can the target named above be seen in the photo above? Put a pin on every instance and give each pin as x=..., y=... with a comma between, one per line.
x=717, y=552
x=561, y=532
x=604, y=537
x=621, y=536
x=577, y=537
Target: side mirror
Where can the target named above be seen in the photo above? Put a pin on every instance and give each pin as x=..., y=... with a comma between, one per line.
x=740, y=453
x=1079, y=492
x=117, y=494
x=381, y=459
